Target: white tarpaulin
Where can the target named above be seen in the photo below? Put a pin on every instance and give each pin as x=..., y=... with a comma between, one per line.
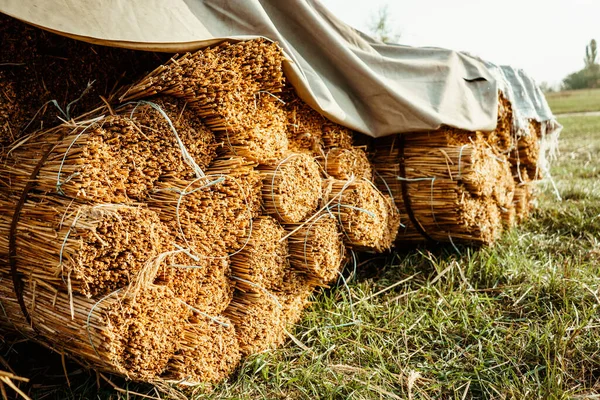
x=374, y=88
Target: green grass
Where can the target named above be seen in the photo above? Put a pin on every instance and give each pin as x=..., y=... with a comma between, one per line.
x=574, y=101
x=519, y=320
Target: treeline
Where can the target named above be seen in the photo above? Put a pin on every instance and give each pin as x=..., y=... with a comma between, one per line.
x=589, y=76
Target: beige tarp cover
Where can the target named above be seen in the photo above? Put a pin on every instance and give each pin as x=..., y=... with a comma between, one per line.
x=374, y=88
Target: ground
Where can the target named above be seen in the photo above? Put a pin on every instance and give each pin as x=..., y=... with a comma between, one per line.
x=518, y=320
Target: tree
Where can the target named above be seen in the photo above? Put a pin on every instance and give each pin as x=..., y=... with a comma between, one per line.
x=589, y=76
x=381, y=27
x=591, y=53
x=547, y=87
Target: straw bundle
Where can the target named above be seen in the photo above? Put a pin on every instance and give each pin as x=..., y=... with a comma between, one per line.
x=263, y=261
x=369, y=219
x=451, y=186
x=258, y=319
x=317, y=249
x=349, y=163
x=201, y=281
x=304, y=125
x=92, y=250
x=116, y=158
x=310, y=132
x=526, y=153
x=291, y=188
x=294, y=296
x=210, y=215
x=233, y=88
x=208, y=353
x=131, y=332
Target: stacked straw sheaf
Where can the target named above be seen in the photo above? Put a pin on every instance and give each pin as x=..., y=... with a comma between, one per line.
x=166, y=237
x=456, y=186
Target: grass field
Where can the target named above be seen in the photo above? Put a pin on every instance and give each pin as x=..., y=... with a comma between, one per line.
x=574, y=101
x=516, y=321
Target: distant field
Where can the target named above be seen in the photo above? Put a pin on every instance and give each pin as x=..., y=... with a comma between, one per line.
x=574, y=101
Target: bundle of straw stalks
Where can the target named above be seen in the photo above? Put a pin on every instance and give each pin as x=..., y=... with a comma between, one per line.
x=209, y=352
x=130, y=332
x=368, y=219
x=291, y=188
x=456, y=186
x=348, y=163
x=317, y=249
x=259, y=321
x=263, y=261
x=445, y=192
x=234, y=88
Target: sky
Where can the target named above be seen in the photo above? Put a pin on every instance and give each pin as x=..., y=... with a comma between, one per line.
x=547, y=38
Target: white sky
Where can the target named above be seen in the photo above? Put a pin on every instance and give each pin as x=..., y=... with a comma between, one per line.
x=545, y=38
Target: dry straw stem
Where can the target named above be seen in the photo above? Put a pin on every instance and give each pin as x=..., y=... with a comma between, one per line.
x=263, y=261
x=133, y=333
x=90, y=250
x=7, y=378
x=208, y=353
x=291, y=188
x=346, y=164
x=457, y=185
x=114, y=158
x=259, y=321
x=234, y=88
x=368, y=219
x=317, y=249
x=211, y=216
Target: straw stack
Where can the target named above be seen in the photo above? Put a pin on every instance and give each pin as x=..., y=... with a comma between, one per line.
x=164, y=238
x=76, y=251
x=450, y=188
x=456, y=186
